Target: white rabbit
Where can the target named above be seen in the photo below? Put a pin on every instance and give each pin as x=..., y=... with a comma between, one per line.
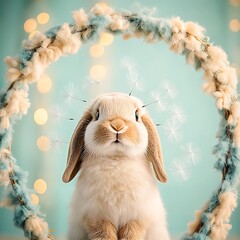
x=116, y=196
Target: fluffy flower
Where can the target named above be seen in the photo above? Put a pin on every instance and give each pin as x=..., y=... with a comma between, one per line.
x=177, y=25
x=202, y=55
x=220, y=216
x=191, y=58
x=3, y=152
x=4, y=178
x=193, y=44
x=195, y=29
x=101, y=9
x=235, y=110
x=35, y=41
x=177, y=42
x=198, y=214
x=37, y=226
x=118, y=23
x=80, y=18
x=68, y=43
x=11, y=62
x=236, y=134
x=228, y=75
x=12, y=74
x=219, y=232
x=18, y=103
x=4, y=123
x=217, y=55
x=209, y=87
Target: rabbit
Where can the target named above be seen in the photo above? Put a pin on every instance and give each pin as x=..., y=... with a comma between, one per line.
x=116, y=195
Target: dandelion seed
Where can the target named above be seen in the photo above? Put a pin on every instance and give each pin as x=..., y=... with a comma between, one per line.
x=179, y=171
x=133, y=81
x=192, y=153
x=171, y=129
x=59, y=115
x=178, y=114
x=58, y=142
x=169, y=90
x=157, y=99
x=126, y=63
x=90, y=82
x=71, y=95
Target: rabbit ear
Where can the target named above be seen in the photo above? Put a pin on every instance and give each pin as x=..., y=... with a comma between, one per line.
x=76, y=148
x=154, y=151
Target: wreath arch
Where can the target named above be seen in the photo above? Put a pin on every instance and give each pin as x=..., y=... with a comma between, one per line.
x=185, y=38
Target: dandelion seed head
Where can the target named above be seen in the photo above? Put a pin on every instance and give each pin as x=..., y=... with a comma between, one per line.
x=127, y=63
x=160, y=103
x=172, y=130
x=192, y=153
x=179, y=170
x=169, y=90
x=178, y=114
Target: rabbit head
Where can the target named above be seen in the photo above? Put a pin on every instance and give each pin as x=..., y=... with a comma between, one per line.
x=115, y=124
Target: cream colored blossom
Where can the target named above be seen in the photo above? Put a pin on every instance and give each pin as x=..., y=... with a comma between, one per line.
x=195, y=30
x=37, y=226
x=80, y=18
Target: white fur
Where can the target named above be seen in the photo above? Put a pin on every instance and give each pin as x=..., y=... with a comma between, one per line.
x=116, y=182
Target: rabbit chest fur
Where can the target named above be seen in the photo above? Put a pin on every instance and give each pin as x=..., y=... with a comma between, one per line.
x=118, y=190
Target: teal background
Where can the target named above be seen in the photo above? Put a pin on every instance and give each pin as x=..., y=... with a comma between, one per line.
x=155, y=63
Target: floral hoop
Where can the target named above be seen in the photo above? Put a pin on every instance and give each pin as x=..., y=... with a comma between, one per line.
x=185, y=38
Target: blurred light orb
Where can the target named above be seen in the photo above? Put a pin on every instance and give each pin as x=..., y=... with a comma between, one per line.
x=103, y=5
x=106, y=38
x=44, y=143
x=40, y=186
x=97, y=50
x=97, y=72
x=235, y=3
x=234, y=25
x=40, y=116
x=43, y=18
x=35, y=199
x=44, y=84
x=30, y=25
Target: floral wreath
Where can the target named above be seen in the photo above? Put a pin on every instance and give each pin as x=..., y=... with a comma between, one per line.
x=185, y=38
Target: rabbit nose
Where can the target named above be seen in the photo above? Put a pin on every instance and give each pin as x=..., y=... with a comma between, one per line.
x=117, y=124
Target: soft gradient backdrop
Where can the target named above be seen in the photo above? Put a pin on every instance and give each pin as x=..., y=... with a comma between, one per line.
x=155, y=65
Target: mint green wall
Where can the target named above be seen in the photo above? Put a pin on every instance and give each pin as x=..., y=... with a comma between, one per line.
x=155, y=63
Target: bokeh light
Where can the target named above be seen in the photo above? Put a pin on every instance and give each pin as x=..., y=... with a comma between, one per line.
x=35, y=199
x=40, y=186
x=97, y=50
x=235, y=3
x=44, y=143
x=97, y=72
x=106, y=38
x=43, y=18
x=234, y=25
x=30, y=25
x=40, y=116
x=44, y=84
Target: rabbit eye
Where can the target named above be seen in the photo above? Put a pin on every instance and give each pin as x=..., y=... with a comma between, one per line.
x=136, y=116
x=97, y=115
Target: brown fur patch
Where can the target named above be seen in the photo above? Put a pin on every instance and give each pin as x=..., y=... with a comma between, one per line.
x=133, y=230
x=103, y=134
x=131, y=133
x=101, y=230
